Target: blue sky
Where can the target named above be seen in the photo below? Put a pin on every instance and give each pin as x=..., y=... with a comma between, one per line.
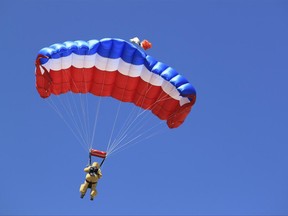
x=228, y=158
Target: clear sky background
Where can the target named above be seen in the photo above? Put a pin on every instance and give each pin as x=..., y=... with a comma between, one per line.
x=228, y=158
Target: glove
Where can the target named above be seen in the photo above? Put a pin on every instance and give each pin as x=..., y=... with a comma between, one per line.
x=93, y=170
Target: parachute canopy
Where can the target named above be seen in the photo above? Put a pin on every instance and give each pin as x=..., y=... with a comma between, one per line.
x=116, y=68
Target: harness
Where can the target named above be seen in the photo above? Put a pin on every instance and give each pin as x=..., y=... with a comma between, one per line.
x=90, y=183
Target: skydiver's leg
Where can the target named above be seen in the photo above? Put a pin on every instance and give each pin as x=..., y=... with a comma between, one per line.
x=93, y=191
x=83, y=189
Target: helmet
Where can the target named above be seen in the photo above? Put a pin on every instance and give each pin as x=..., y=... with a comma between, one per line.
x=95, y=164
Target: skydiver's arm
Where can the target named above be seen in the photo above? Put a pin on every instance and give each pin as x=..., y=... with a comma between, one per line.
x=99, y=173
x=87, y=169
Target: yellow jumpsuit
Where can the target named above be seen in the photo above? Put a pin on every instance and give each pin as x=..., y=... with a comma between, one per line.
x=91, y=181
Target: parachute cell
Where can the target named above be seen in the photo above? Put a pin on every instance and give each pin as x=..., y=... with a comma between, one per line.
x=116, y=68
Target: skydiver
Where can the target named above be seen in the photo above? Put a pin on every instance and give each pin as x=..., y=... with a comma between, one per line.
x=92, y=177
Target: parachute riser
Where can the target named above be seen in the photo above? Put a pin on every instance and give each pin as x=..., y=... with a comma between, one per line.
x=102, y=161
x=90, y=159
